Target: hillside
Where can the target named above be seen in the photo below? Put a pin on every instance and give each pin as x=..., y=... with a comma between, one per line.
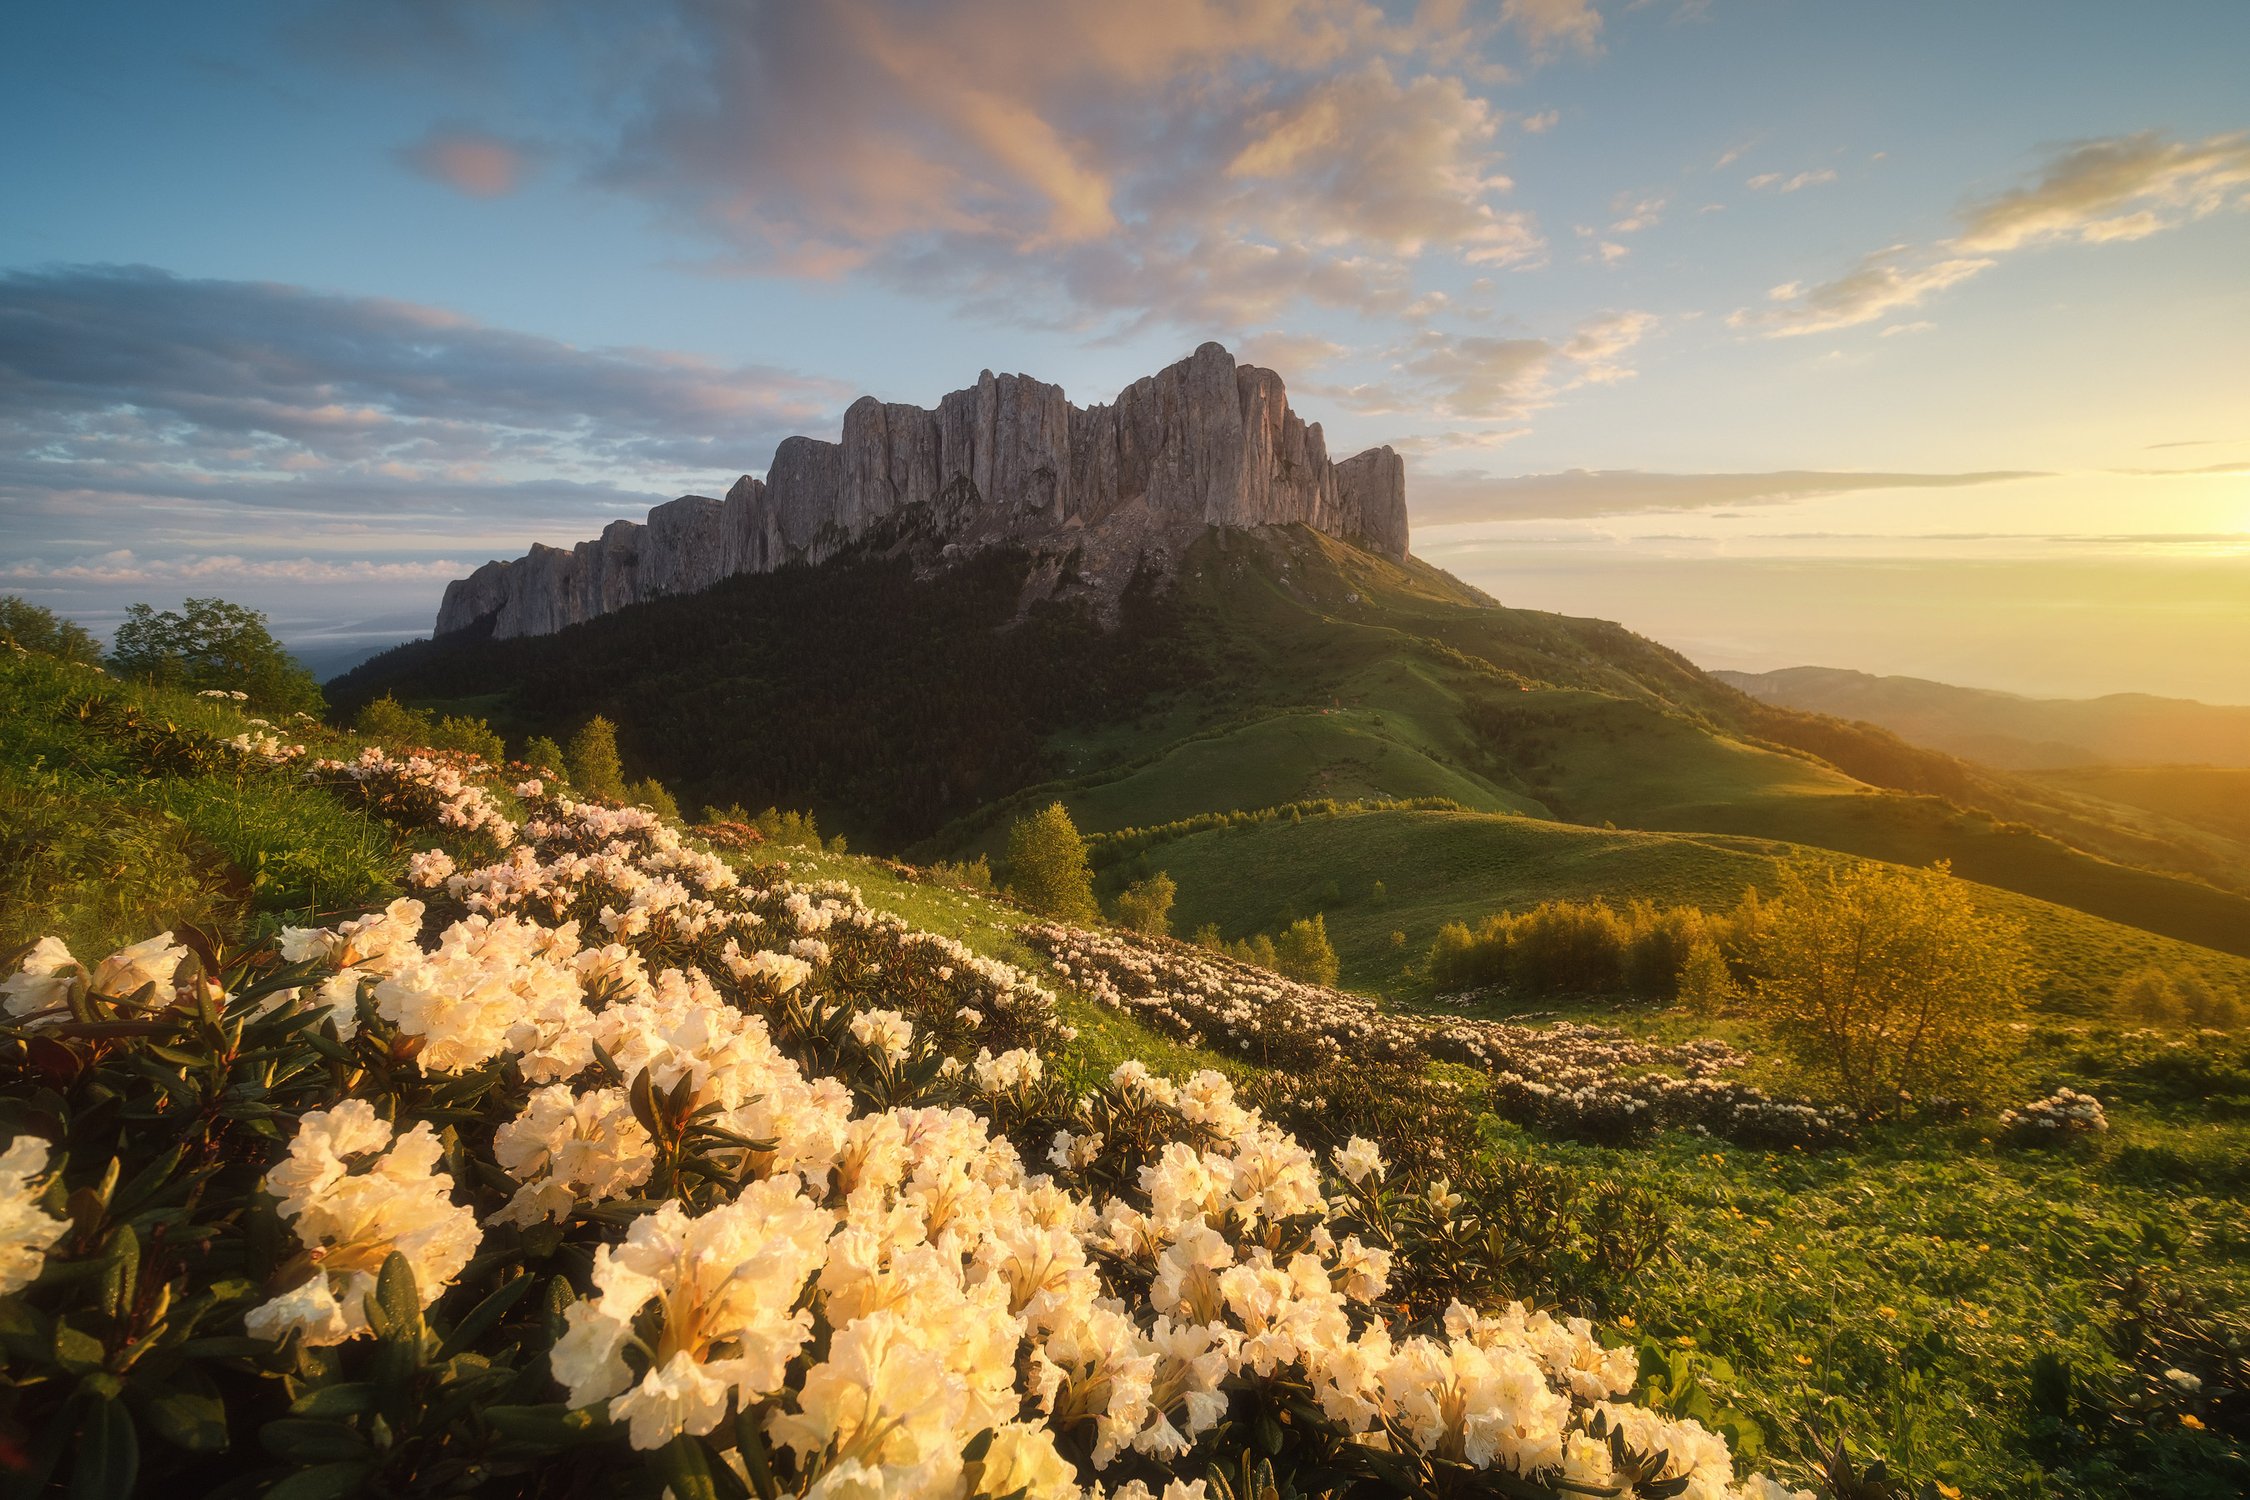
x=922, y=712
x=2011, y=731
x=1892, y=1283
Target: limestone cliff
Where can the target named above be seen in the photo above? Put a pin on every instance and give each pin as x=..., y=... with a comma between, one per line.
x=1203, y=443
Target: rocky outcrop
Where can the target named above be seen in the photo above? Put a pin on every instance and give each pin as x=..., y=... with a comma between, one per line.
x=1204, y=443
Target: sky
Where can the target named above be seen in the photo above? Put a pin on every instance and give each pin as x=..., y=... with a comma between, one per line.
x=1910, y=337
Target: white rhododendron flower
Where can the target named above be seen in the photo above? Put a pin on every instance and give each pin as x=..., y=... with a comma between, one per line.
x=1358, y=1160
x=885, y=1033
x=27, y=1231
x=566, y=1149
x=42, y=981
x=728, y=1282
x=352, y=1220
x=152, y=961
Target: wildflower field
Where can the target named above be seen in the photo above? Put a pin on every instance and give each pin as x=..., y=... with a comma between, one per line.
x=388, y=1123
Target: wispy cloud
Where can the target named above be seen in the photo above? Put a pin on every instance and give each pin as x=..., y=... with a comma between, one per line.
x=472, y=162
x=2090, y=192
x=1461, y=498
x=1793, y=183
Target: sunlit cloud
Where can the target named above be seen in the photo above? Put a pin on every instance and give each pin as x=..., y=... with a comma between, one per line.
x=471, y=162
x=2092, y=192
x=1792, y=183
x=1459, y=498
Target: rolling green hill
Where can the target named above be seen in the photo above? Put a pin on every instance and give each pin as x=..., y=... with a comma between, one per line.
x=922, y=713
x=1438, y=866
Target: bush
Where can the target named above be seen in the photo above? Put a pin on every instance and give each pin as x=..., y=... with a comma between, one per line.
x=1886, y=984
x=546, y=757
x=1303, y=952
x=2177, y=997
x=1578, y=947
x=651, y=794
x=1047, y=866
x=37, y=628
x=968, y=875
x=393, y=725
x=1146, y=905
x=594, y=767
x=473, y=736
x=213, y=646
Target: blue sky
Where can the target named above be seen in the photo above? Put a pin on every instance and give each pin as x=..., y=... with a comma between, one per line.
x=1899, y=336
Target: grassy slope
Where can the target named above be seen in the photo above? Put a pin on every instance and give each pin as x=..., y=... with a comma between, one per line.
x=1896, y=1289
x=1438, y=867
x=1288, y=666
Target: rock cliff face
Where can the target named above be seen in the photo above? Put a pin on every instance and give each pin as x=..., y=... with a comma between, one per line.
x=1204, y=443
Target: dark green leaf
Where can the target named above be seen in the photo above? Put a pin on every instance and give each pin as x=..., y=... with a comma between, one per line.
x=108, y=1461
x=306, y=1440
x=323, y=1482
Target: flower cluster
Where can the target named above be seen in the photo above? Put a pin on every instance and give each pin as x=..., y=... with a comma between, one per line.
x=27, y=1230
x=426, y=790
x=1587, y=1081
x=785, y=1161
x=2065, y=1112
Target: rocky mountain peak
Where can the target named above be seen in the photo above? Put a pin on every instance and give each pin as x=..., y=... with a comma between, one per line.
x=1205, y=442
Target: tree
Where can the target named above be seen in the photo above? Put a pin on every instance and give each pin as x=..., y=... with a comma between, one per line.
x=1888, y=985
x=594, y=767
x=1304, y=953
x=209, y=643
x=544, y=756
x=1146, y=905
x=652, y=795
x=473, y=735
x=393, y=725
x=37, y=628
x=1047, y=866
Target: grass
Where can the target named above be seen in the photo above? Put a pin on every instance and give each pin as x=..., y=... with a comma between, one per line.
x=1896, y=1291
x=1439, y=867
x=100, y=852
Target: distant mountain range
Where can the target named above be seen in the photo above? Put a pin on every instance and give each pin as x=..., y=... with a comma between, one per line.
x=2012, y=732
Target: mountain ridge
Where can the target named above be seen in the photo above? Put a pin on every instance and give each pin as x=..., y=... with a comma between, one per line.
x=1205, y=442
x=2015, y=731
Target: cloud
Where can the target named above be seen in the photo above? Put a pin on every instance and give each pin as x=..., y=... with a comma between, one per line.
x=1885, y=282
x=471, y=162
x=2089, y=192
x=2233, y=468
x=241, y=424
x=1540, y=123
x=1551, y=26
x=1635, y=215
x=1792, y=184
x=122, y=565
x=2123, y=188
x=1489, y=378
x=1206, y=164
x=1462, y=498
x=1289, y=352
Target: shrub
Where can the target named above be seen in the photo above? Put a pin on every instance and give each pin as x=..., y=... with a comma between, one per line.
x=392, y=724
x=651, y=794
x=2177, y=997
x=1047, y=865
x=1146, y=905
x=966, y=875
x=37, y=628
x=1888, y=984
x=545, y=756
x=2063, y=1114
x=471, y=736
x=594, y=767
x=1304, y=953
x=213, y=646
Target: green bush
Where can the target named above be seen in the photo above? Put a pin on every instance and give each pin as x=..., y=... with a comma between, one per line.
x=1888, y=985
x=209, y=645
x=37, y=628
x=967, y=875
x=594, y=766
x=1146, y=905
x=650, y=793
x=1304, y=953
x=545, y=756
x=1047, y=866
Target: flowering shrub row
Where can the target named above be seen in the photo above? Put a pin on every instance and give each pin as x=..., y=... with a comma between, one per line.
x=1587, y=1081
x=730, y=1185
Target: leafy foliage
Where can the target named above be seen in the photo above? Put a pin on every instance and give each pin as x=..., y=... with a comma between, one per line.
x=211, y=645
x=34, y=627
x=1047, y=869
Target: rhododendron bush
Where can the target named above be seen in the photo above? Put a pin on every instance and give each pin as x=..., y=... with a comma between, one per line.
x=593, y=1165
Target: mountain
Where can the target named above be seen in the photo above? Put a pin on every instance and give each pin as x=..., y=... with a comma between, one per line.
x=2017, y=733
x=918, y=709
x=1008, y=461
